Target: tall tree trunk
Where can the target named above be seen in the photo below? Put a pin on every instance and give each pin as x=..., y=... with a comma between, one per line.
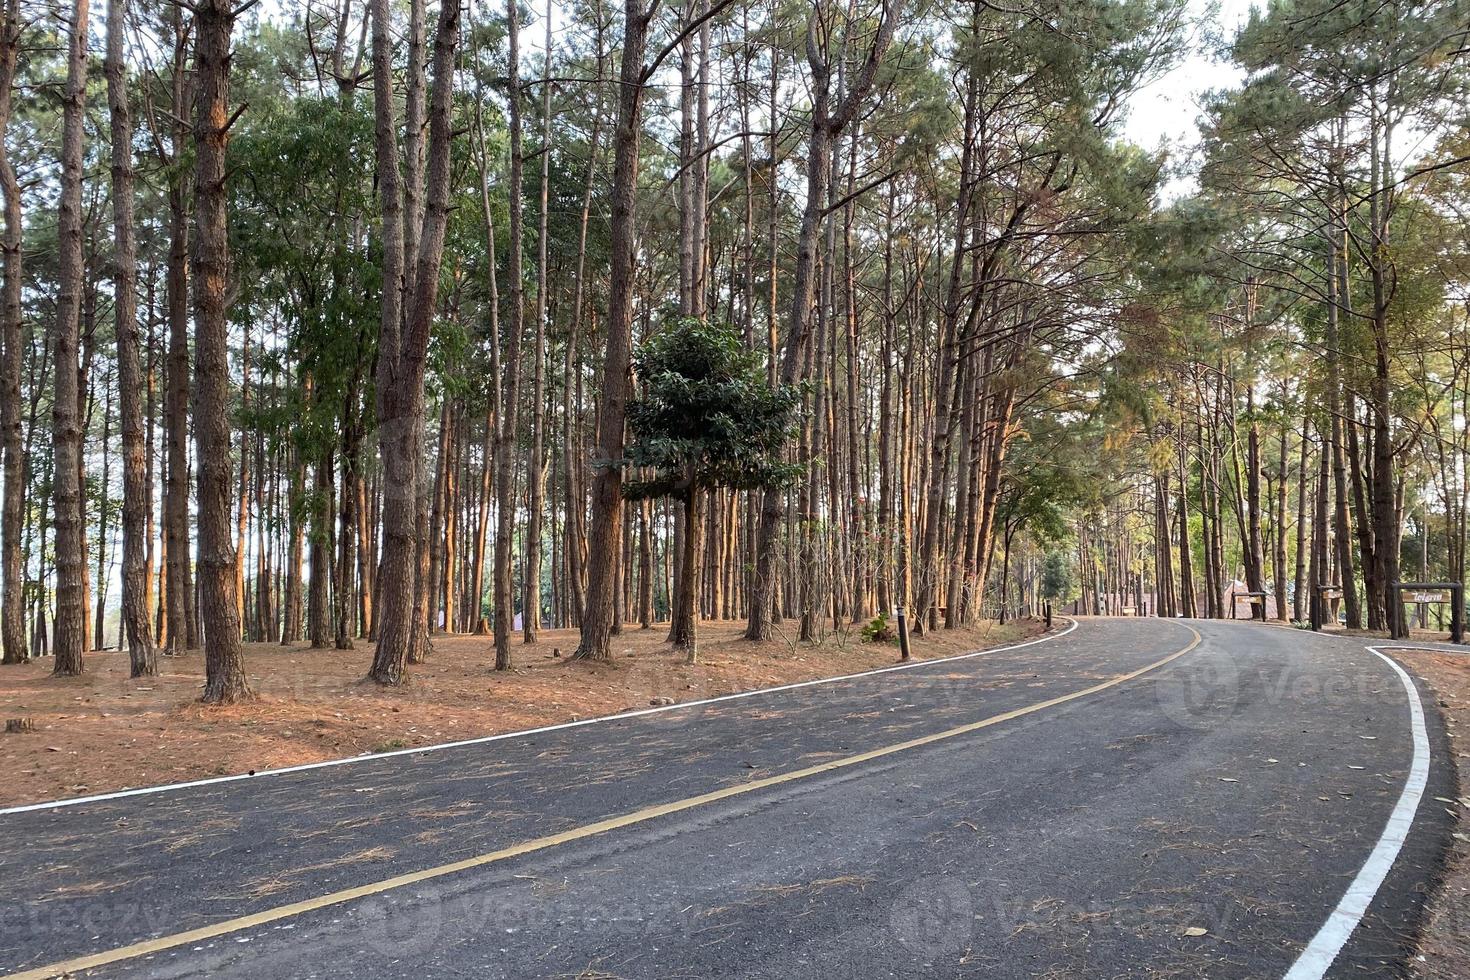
x=413, y=144
x=482, y=521
x=403, y=347
x=178, y=595
x=397, y=441
x=67, y=511
x=1317, y=573
x=1164, y=600
x=493, y=453
x=505, y=469
x=1300, y=586
x=859, y=518
x=445, y=536
x=367, y=563
x=645, y=565
x=692, y=124
x=1187, y=600
x=536, y=477
x=1337, y=305
x=1254, y=543
x=1278, y=572
x=318, y=602
x=1361, y=462
x=887, y=533
x=137, y=491
x=224, y=665
x=97, y=605
x=347, y=545
x=687, y=218
x=576, y=533
x=439, y=502
x=291, y=618
x=1387, y=516
x=605, y=528
x=686, y=616
x=12, y=520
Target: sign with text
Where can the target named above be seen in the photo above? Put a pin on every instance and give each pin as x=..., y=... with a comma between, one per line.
x=1442, y=594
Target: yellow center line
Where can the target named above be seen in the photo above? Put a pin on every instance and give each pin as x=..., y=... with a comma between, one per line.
x=227, y=926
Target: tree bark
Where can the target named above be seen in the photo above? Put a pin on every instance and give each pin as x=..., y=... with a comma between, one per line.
x=178, y=594
x=318, y=602
x=12, y=520
x=1300, y=586
x=1187, y=601
x=536, y=477
x=137, y=491
x=347, y=544
x=66, y=426
x=224, y=664
x=1337, y=304
x=1278, y=564
x=403, y=348
x=397, y=442
x=685, y=635
x=505, y=469
x=605, y=528
x=576, y=533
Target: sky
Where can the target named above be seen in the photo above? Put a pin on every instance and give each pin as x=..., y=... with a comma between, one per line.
x=1164, y=110
x=1167, y=108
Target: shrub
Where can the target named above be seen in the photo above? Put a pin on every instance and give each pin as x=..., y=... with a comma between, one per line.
x=880, y=630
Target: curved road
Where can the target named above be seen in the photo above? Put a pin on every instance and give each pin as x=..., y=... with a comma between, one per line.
x=1130, y=798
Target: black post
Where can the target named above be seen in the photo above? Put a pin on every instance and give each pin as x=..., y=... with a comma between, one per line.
x=903, y=635
x=1232, y=605
x=1314, y=615
x=1047, y=608
x=1457, y=613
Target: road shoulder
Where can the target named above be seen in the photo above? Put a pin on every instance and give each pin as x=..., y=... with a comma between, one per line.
x=103, y=732
x=1443, y=949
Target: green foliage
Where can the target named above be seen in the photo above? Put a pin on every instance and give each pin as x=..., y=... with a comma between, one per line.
x=707, y=416
x=1058, y=581
x=302, y=206
x=1050, y=470
x=879, y=630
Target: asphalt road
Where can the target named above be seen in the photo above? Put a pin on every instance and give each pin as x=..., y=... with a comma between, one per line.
x=1112, y=802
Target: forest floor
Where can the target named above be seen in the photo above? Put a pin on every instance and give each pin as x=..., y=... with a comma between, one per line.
x=103, y=731
x=1443, y=949
x=1424, y=636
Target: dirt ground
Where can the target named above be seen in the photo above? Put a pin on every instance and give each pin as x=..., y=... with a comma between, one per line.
x=1423, y=636
x=103, y=731
x=1443, y=950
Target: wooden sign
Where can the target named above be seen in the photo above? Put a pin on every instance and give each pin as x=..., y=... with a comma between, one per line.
x=1427, y=597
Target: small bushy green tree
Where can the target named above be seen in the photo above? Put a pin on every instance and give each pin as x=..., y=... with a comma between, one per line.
x=1058, y=584
x=706, y=418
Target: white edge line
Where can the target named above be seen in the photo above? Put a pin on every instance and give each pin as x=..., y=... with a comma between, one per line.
x=1430, y=646
x=421, y=750
x=1315, y=960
